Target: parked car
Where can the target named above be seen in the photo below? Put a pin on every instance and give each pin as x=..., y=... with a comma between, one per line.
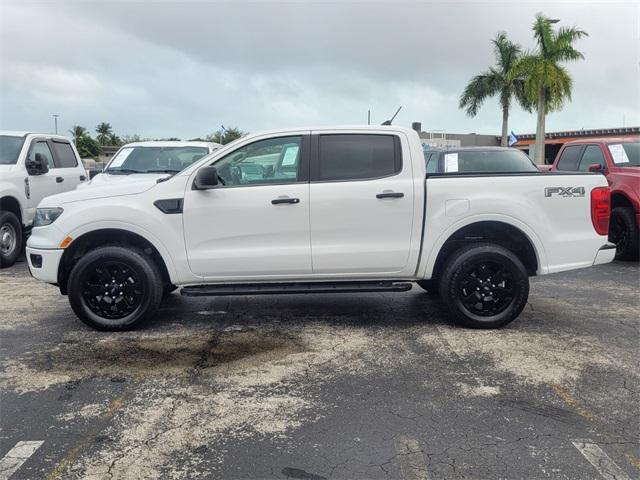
x=32, y=166
x=619, y=160
x=326, y=210
x=152, y=158
x=477, y=159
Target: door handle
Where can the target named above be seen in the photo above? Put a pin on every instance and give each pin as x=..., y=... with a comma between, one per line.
x=390, y=195
x=59, y=179
x=279, y=200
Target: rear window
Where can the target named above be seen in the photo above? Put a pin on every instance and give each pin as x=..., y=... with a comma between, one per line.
x=355, y=157
x=63, y=155
x=570, y=158
x=496, y=161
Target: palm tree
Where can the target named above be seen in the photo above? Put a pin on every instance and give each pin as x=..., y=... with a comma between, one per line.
x=547, y=84
x=77, y=132
x=498, y=80
x=104, y=132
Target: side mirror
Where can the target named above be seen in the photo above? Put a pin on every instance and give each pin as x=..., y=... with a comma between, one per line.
x=38, y=166
x=206, y=178
x=595, y=167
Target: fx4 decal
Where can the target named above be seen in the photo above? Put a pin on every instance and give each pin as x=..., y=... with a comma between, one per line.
x=564, y=191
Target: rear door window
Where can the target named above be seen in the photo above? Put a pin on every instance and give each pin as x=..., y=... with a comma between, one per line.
x=357, y=157
x=570, y=158
x=592, y=154
x=64, y=156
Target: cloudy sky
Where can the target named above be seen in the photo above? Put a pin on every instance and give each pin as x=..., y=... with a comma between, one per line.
x=170, y=68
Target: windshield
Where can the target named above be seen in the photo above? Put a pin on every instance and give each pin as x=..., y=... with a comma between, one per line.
x=10, y=149
x=489, y=161
x=154, y=159
x=625, y=154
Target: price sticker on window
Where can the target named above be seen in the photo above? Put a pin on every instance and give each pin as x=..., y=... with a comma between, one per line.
x=618, y=153
x=451, y=162
x=290, y=155
x=119, y=159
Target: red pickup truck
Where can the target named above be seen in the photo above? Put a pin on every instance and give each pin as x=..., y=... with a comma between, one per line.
x=619, y=160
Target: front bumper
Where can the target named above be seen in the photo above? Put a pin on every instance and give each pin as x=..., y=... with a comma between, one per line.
x=43, y=263
x=605, y=254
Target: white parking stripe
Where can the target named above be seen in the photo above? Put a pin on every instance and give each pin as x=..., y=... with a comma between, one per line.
x=410, y=459
x=600, y=460
x=15, y=457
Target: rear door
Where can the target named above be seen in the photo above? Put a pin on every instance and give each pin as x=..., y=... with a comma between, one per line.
x=361, y=199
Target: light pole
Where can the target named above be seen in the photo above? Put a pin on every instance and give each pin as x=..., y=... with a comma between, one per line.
x=55, y=122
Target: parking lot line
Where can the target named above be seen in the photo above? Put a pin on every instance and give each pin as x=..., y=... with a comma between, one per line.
x=600, y=460
x=15, y=457
x=410, y=459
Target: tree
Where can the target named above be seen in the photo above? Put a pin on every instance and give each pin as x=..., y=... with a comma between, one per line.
x=114, y=139
x=225, y=135
x=104, y=131
x=498, y=80
x=547, y=84
x=87, y=147
x=77, y=132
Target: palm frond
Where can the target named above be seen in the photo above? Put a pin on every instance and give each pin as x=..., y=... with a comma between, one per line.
x=479, y=89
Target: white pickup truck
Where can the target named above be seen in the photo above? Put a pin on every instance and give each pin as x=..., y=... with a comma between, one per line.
x=32, y=166
x=318, y=210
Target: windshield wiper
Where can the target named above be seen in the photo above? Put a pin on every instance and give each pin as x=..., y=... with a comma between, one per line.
x=162, y=170
x=124, y=171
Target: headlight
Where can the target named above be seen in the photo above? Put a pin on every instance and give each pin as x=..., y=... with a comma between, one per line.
x=46, y=216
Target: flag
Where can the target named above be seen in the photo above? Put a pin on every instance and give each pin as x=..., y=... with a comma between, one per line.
x=512, y=138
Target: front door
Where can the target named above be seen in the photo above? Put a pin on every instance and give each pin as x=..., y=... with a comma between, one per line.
x=361, y=205
x=256, y=222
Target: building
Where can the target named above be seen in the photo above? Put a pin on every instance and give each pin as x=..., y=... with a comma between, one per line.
x=554, y=140
x=440, y=138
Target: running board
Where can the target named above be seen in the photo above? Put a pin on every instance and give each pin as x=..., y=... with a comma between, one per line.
x=291, y=288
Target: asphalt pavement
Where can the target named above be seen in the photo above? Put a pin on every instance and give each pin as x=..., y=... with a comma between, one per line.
x=325, y=387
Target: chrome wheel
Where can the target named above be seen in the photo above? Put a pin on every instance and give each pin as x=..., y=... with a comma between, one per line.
x=8, y=239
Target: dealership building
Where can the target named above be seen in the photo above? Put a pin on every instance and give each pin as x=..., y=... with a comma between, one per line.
x=526, y=142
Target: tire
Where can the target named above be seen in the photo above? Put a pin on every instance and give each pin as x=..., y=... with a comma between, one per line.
x=116, y=267
x=505, y=288
x=10, y=238
x=429, y=286
x=623, y=231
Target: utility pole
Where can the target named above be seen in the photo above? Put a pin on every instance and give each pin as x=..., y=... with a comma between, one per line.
x=55, y=122
x=368, y=117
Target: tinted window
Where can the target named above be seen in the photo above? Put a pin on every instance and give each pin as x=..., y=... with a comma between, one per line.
x=570, y=158
x=490, y=161
x=432, y=163
x=42, y=148
x=591, y=155
x=65, y=158
x=353, y=157
x=275, y=160
x=625, y=154
x=10, y=149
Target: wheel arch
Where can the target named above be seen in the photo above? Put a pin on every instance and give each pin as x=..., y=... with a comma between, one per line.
x=620, y=199
x=514, y=238
x=110, y=236
x=11, y=204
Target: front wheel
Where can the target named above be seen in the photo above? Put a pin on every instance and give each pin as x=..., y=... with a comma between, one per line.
x=10, y=238
x=115, y=288
x=484, y=286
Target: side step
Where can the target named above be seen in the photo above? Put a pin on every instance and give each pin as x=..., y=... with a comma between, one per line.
x=291, y=288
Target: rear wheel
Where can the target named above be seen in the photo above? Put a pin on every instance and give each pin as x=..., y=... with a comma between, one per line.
x=484, y=286
x=10, y=238
x=623, y=231
x=115, y=288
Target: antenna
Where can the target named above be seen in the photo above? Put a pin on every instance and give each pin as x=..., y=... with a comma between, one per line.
x=388, y=122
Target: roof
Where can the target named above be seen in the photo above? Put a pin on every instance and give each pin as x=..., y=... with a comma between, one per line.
x=17, y=133
x=172, y=143
x=583, y=133
x=606, y=140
